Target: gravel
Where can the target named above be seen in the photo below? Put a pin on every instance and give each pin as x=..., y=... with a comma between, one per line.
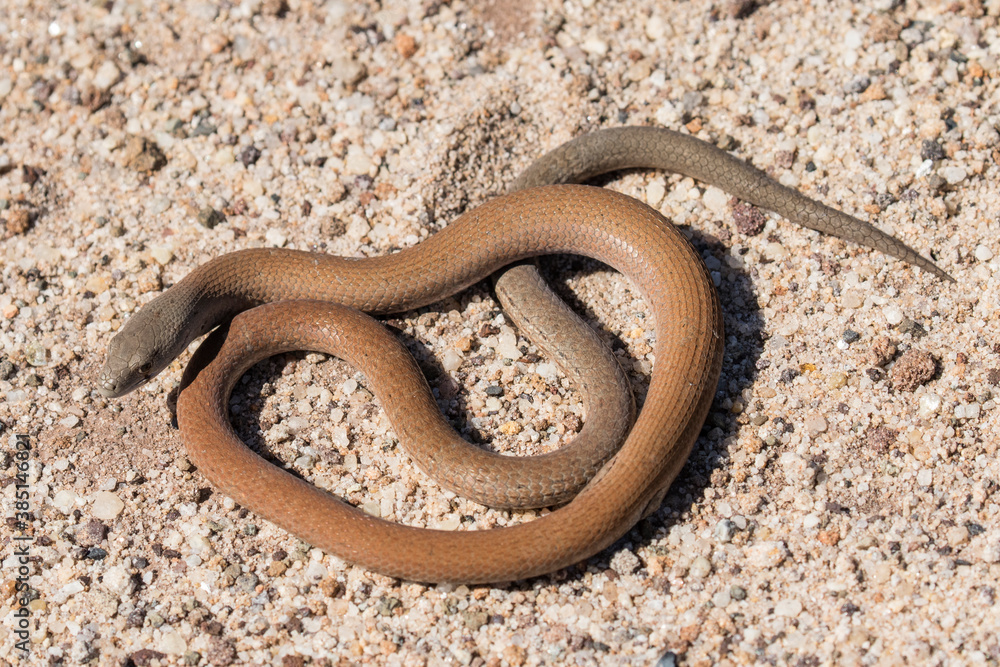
x=841, y=505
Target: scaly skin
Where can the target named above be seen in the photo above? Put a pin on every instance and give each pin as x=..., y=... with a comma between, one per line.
x=145, y=346
x=610, y=227
x=586, y=221
x=659, y=148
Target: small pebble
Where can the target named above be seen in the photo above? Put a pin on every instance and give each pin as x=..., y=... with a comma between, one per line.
x=278, y=433
x=912, y=327
x=107, y=75
x=249, y=156
x=36, y=354
x=405, y=44
x=91, y=533
x=162, y=254
x=767, y=554
x=297, y=425
x=852, y=300
x=462, y=655
x=475, y=619
x=913, y=369
x=881, y=351
x=724, y=530
x=668, y=659
x=275, y=238
x=107, y=506
x=18, y=221
x=722, y=599
x=953, y=175
x=450, y=522
x=358, y=162
x=931, y=150
x=858, y=84
x=276, y=8
x=625, y=562
x=655, y=192
x=142, y=155
x=119, y=581
x=893, y=315
x=816, y=425
x=655, y=28
x=930, y=404
x=957, y=536
x=507, y=345
x=247, y=582
x=547, y=371
x=209, y=217
x=96, y=553
x=700, y=568
x=451, y=361
x=750, y=221
x=358, y=229
x=788, y=608
x=967, y=411
x=836, y=380
x=595, y=46
x=214, y=42
x=158, y=205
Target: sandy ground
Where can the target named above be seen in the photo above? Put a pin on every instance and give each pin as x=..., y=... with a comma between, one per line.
x=841, y=506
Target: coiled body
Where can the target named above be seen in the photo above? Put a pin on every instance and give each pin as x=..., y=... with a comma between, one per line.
x=615, y=229
x=610, y=227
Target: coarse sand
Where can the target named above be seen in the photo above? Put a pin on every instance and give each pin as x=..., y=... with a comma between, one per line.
x=842, y=505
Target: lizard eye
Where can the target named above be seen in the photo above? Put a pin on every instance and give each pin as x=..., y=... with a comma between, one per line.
x=145, y=368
